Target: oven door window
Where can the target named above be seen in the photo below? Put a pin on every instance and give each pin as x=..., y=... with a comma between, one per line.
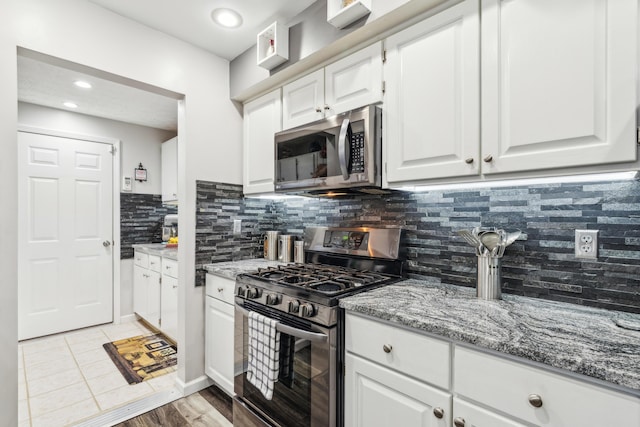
x=301, y=396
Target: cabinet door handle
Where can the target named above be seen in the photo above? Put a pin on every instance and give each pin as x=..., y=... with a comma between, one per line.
x=438, y=412
x=469, y=160
x=458, y=422
x=326, y=107
x=220, y=289
x=387, y=348
x=488, y=159
x=318, y=110
x=535, y=400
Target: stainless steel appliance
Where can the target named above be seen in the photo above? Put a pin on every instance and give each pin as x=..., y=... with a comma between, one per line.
x=336, y=154
x=169, y=227
x=303, y=298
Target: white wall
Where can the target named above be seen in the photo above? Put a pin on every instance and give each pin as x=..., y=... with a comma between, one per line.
x=139, y=144
x=209, y=149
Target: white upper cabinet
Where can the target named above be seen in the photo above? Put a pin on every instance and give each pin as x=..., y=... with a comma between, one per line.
x=303, y=100
x=262, y=119
x=558, y=83
x=352, y=82
x=169, y=153
x=431, y=116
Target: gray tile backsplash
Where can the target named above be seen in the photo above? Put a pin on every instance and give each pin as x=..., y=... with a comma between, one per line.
x=141, y=217
x=543, y=266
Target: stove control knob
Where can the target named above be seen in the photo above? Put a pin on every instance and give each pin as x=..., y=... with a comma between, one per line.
x=272, y=299
x=253, y=293
x=240, y=291
x=294, y=306
x=307, y=310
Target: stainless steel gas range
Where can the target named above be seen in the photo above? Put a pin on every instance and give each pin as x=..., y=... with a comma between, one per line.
x=303, y=299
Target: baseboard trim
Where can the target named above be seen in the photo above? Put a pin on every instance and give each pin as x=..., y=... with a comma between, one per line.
x=194, y=386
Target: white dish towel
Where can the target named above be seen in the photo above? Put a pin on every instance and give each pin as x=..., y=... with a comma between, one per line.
x=264, y=353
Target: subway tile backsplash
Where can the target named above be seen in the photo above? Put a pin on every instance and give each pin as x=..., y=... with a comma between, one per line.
x=543, y=266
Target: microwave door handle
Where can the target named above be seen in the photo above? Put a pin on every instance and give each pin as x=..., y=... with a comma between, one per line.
x=290, y=330
x=344, y=149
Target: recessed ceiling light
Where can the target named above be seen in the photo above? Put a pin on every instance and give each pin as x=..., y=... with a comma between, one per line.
x=70, y=105
x=82, y=84
x=227, y=18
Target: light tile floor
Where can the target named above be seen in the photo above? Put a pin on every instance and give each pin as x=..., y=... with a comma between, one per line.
x=66, y=378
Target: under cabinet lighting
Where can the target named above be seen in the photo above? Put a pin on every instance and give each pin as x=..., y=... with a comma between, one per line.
x=613, y=176
x=83, y=84
x=70, y=104
x=274, y=196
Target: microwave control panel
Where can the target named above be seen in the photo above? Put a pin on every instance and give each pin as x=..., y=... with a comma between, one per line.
x=357, y=152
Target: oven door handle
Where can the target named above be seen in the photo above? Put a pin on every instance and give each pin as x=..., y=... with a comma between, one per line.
x=290, y=330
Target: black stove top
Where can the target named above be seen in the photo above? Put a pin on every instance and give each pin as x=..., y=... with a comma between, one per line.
x=323, y=279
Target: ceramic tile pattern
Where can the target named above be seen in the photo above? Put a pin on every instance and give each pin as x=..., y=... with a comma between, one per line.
x=65, y=378
x=541, y=267
x=141, y=217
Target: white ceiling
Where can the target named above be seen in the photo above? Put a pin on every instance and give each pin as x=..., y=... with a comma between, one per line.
x=46, y=81
x=191, y=22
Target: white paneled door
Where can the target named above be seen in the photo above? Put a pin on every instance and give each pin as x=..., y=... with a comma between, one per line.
x=65, y=228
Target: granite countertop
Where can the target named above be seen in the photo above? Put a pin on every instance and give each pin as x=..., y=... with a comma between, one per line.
x=580, y=339
x=157, y=249
x=232, y=268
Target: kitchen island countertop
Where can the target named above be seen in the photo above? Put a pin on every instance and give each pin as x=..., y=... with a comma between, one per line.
x=157, y=249
x=572, y=337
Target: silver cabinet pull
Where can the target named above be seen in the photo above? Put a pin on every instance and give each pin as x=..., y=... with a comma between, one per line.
x=106, y=243
x=458, y=422
x=488, y=159
x=326, y=107
x=438, y=412
x=469, y=160
x=535, y=400
x=220, y=289
x=387, y=348
x=318, y=110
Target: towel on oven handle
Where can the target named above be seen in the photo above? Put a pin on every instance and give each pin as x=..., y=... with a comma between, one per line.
x=264, y=353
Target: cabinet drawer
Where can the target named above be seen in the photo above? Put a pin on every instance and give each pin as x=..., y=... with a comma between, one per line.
x=419, y=356
x=220, y=288
x=507, y=386
x=141, y=259
x=155, y=263
x=170, y=267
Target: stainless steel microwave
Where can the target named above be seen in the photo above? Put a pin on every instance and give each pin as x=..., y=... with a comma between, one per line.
x=332, y=156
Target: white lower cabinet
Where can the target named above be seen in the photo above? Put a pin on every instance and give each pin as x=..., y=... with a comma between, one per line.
x=401, y=383
x=169, y=298
x=470, y=415
x=155, y=292
x=538, y=396
x=219, y=331
x=377, y=396
x=392, y=376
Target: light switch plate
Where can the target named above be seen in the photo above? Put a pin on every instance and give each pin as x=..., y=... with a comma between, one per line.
x=237, y=226
x=126, y=183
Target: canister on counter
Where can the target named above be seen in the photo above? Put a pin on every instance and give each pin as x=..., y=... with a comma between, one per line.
x=298, y=252
x=271, y=245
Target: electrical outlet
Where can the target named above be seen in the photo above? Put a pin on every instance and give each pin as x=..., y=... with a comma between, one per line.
x=237, y=226
x=587, y=244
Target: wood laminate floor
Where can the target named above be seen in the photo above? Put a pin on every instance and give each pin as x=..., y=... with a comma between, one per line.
x=210, y=407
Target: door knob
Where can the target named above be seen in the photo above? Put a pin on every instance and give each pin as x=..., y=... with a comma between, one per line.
x=458, y=422
x=106, y=243
x=488, y=159
x=387, y=348
x=535, y=400
x=438, y=412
